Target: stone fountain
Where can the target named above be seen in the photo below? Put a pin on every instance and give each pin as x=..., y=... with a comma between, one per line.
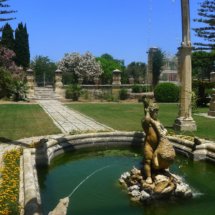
x=151, y=180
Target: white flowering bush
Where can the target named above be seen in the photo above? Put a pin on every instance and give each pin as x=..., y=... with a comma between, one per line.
x=83, y=66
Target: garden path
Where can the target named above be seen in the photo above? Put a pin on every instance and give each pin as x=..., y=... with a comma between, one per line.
x=68, y=119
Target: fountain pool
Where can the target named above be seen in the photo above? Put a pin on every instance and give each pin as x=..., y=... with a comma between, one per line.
x=102, y=194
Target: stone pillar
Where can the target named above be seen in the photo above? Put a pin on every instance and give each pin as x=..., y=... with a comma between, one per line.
x=185, y=121
x=212, y=76
x=211, y=112
x=151, y=52
x=116, y=81
x=30, y=82
x=178, y=68
x=58, y=83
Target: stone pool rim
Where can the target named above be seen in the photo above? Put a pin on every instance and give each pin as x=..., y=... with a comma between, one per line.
x=30, y=192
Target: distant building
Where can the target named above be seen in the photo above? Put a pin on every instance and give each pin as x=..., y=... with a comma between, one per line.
x=170, y=70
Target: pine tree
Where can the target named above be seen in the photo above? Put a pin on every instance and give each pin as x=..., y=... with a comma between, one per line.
x=22, y=46
x=207, y=11
x=7, y=37
x=5, y=12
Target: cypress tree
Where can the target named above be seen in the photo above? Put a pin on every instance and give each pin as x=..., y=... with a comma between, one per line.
x=7, y=37
x=22, y=46
x=207, y=11
x=19, y=48
x=26, y=48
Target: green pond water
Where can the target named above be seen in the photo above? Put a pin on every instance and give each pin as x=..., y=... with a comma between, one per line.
x=102, y=195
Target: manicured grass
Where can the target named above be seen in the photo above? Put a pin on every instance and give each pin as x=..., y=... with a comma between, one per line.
x=128, y=117
x=20, y=120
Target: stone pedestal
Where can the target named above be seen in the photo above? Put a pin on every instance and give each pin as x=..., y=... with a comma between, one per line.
x=212, y=106
x=151, y=52
x=30, y=82
x=212, y=76
x=185, y=121
x=116, y=81
x=58, y=83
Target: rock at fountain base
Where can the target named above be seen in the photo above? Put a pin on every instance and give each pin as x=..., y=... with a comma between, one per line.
x=165, y=186
x=61, y=208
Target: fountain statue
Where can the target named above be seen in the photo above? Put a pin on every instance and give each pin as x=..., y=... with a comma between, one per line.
x=151, y=180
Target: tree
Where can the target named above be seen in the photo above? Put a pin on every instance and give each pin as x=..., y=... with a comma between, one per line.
x=108, y=57
x=7, y=37
x=80, y=66
x=157, y=64
x=22, y=46
x=136, y=70
x=207, y=11
x=6, y=61
x=202, y=64
x=43, y=65
x=5, y=12
x=107, y=67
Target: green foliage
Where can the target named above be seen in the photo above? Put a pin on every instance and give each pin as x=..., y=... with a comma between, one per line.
x=202, y=96
x=207, y=31
x=202, y=64
x=166, y=92
x=194, y=102
x=136, y=88
x=123, y=94
x=110, y=97
x=209, y=92
x=74, y=91
x=6, y=99
x=157, y=64
x=146, y=88
x=43, y=65
x=108, y=67
x=108, y=57
x=19, y=89
x=7, y=37
x=22, y=47
x=136, y=70
x=5, y=81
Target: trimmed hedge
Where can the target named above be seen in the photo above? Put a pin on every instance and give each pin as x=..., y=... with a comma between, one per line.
x=136, y=88
x=166, y=92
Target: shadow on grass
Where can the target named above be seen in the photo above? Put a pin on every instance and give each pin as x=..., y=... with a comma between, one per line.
x=11, y=142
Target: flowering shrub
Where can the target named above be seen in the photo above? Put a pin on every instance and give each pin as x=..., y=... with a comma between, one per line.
x=6, y=61
x=80, y=65
x=9, y=190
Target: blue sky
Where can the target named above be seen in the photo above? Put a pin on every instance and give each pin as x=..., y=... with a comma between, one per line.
x=117, y=27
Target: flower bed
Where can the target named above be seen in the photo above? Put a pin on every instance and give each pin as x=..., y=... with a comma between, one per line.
x=9, y=189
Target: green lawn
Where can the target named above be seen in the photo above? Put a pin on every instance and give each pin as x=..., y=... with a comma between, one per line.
x=128, y=117
x=20, y=120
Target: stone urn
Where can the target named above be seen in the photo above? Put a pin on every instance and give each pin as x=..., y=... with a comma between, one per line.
x=80, y=81
x=131, y=80
x=140, y=80
x=96, y=80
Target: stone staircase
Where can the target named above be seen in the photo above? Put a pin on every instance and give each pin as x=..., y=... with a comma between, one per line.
x=41, y=93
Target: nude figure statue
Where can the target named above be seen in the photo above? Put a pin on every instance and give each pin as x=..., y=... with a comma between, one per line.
x=158, y=152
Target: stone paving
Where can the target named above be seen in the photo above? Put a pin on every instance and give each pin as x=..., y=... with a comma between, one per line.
x=204, y=115
x=68, y=119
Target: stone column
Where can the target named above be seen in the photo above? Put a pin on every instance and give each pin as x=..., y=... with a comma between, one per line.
x=58, y=83
x=151, y=52
x=185, y=121
x=116, y=81
x=30, y=82
x=211, y=112
x=178, y=68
